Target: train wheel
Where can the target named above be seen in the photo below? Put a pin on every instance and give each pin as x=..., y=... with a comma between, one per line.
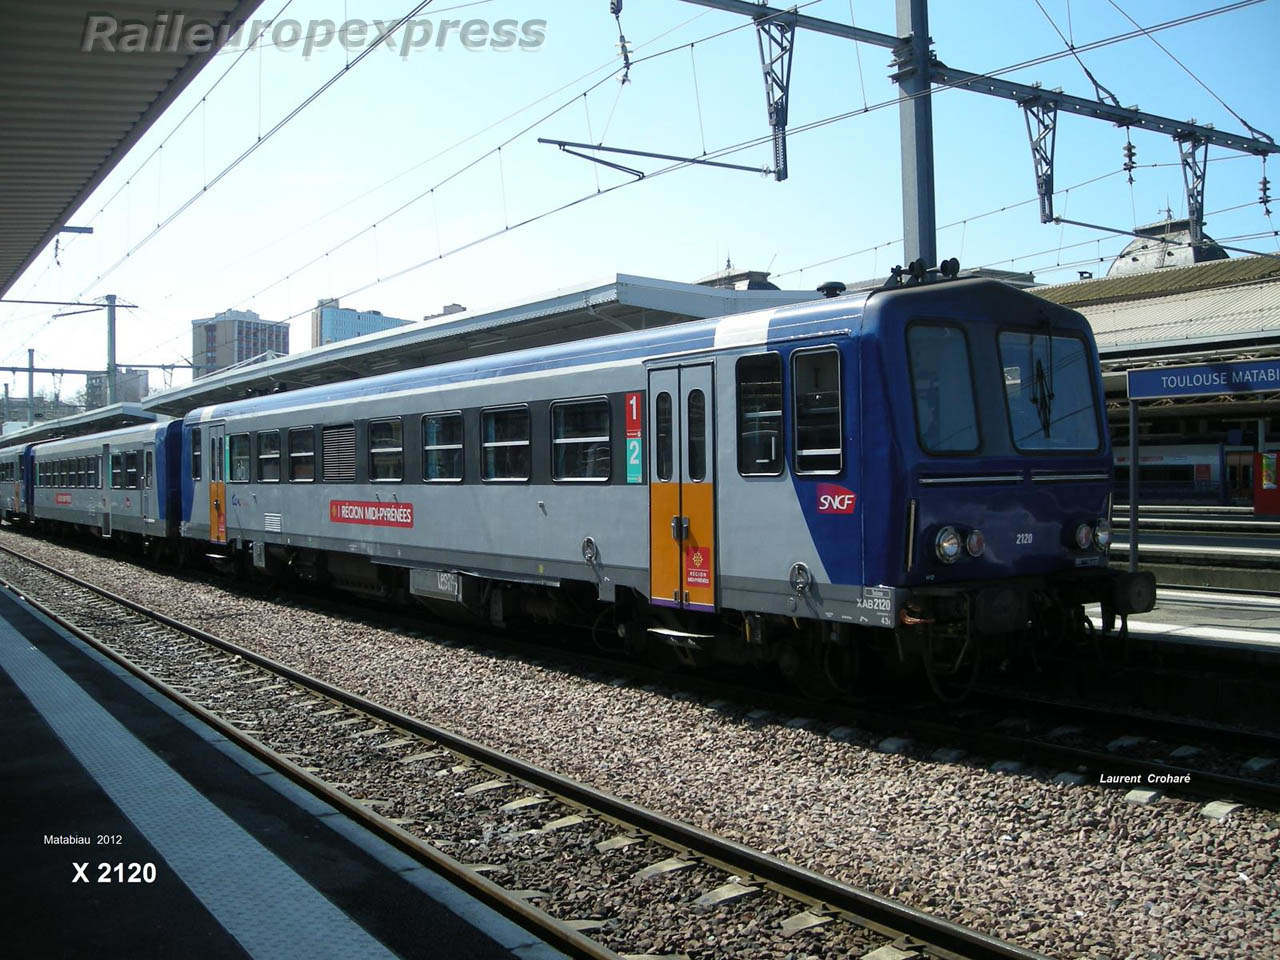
x=952, y=672
x=606, y=633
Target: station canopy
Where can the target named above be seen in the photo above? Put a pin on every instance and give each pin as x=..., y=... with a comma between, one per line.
x=1221, y=310
x=622, y=304
x=92, y=421
x=68, y=117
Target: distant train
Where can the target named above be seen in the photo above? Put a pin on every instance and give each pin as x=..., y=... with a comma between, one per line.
x=921, y=472
x=1193, y=473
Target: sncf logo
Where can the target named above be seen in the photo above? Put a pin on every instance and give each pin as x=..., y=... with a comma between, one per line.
x=834, y=499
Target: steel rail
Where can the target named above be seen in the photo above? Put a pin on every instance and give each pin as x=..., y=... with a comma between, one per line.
x=870, y=909
x=536, y=921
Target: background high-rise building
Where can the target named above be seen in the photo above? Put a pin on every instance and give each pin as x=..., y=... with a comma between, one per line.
x=131, y=387
x=233, y=337
x=331, y=322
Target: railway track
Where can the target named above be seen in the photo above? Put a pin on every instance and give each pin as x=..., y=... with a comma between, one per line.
x=1038, y=733
x=1015, y=731
x=593, y=874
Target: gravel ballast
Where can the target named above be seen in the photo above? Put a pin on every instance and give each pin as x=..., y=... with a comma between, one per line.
x=1072, y=871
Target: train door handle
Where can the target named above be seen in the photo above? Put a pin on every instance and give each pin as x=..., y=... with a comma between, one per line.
x=679, y=528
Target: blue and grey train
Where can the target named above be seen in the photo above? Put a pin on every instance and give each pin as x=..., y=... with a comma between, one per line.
x=922, y=471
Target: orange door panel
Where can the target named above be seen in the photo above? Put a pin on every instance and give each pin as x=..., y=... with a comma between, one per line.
x=682, y=556
x=665, y=573
x=217, y=485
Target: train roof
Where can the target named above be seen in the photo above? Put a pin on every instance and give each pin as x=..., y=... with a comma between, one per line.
x=139, y=431
x=737, y=330
x=742, y=329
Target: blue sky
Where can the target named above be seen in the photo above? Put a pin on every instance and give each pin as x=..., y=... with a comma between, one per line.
x=392, y=128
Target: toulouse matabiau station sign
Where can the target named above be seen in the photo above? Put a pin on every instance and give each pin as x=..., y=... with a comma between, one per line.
x=1205, y=379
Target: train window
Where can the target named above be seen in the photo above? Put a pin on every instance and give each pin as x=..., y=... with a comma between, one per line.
x=117, y=471
x=338, y=453
x=302, y=454
x=664, y=435
x=83, y=469
x=505, y=437
x=386, y=450
x=942, y=385
x=95, y=465
x=696, y=424
x=238, y=450
x=131, y=470
x=196, y=452
x=1048, y=391
x=760, y=415
x=148, y=469
x=269, y=456
x=442, y=447
x=580, y=448
x=815, y=386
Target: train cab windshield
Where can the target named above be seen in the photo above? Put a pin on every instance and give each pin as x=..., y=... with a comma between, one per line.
x=942, y=385
x=1048, y=391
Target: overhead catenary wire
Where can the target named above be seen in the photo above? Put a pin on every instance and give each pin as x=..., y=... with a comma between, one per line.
x=1100, y=91
x=730, y=149
x=480, y=158
x=1189, y=72
x=431, y=191
x=440, y=153
x=253, y=148
x=754, y=142
x=748, y=144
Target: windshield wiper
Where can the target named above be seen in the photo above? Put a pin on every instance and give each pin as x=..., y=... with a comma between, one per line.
x=1042, y=397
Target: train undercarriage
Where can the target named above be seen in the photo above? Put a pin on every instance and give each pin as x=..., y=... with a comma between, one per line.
x=947, y=635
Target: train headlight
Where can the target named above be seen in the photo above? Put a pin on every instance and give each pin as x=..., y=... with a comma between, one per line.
x=1102, y=534
x=947, y=545
x=1084, y=536
x=975, y=543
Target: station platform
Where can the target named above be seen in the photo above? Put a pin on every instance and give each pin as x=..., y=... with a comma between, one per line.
x=1247, y=623
x=132, y=829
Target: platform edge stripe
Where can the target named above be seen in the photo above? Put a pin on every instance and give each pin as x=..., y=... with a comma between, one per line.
x=288, y=918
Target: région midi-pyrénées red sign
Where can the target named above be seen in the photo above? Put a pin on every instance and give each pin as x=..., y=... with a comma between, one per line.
x=371, y=513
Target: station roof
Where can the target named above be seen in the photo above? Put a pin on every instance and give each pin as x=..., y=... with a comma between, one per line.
x=93, y=421
x=624, y=303
x=69, y=116
x=1242, y=313
x=1163, y=282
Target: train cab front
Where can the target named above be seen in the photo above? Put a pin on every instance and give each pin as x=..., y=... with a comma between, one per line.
x=1007, y=467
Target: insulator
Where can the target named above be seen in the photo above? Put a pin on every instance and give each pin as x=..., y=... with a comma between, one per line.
x=1264, y=195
